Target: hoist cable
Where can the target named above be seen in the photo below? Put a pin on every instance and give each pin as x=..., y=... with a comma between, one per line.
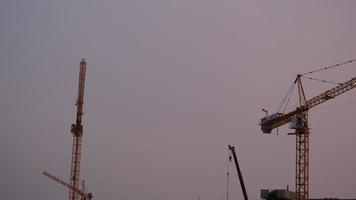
x=289, y=93
x=329, y=67
x=288, y=100
x=324, y=81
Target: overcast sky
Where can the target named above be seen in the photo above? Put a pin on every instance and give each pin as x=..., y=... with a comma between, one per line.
x=170, y=83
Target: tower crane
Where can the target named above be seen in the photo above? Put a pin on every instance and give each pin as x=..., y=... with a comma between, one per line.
x=299, y=122
x=84, y=195
x=232, y=149
x=77, y=131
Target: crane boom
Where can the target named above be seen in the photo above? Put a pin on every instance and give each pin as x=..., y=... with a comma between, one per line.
x=232, y=149
x=77, y=131
x=65, y=184
x=332, y=93
x=278, y=119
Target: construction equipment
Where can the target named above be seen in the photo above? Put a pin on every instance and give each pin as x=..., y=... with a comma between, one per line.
x=77, y=131
x=299, y=119
x=232, y=149
x=84, y=195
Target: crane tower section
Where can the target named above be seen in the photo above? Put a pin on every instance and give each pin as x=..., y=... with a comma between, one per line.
x=77, y=131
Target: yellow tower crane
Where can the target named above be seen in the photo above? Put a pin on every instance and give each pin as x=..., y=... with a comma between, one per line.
x=299, y=122
x=77, y=131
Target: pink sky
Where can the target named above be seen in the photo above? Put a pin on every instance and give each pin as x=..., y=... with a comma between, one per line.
x=169, y=85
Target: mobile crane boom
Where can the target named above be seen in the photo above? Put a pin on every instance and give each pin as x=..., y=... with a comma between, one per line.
x=232, y=149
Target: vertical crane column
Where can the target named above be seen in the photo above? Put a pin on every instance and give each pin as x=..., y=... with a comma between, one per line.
x=302, y=149
x=77, y=131
x=302, y=164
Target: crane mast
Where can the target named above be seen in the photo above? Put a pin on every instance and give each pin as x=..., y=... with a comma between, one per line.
x=239, y=173
x=77, y=131
x=299, y=119
x=302, y=149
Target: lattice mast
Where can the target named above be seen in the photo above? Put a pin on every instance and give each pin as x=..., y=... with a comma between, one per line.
x=302, y=149
x=77, y=131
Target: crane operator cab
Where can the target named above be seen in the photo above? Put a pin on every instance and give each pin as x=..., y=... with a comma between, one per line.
x=298, y=121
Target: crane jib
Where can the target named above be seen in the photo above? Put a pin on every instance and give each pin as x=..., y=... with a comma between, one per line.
x=276, y=120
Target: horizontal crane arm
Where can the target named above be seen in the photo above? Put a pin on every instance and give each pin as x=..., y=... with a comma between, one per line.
x=332, y=93
x=270, y=122
x=63, y=183
x=279, y=119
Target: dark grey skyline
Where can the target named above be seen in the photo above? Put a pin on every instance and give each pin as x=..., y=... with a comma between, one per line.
x=169, y=85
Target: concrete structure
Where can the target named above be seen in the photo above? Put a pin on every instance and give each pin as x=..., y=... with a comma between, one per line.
x=283, y=194
x=278, y=194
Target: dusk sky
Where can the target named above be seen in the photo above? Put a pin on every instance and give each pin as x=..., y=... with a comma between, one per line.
x=170, y=83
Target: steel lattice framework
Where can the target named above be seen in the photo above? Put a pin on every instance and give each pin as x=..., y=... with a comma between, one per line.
x=77, y=131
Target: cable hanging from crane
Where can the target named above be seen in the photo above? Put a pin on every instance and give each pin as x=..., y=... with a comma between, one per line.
x=329, y=67
x=286, y=99
x=326, y=68
x=324, y=81
x=288, y=96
